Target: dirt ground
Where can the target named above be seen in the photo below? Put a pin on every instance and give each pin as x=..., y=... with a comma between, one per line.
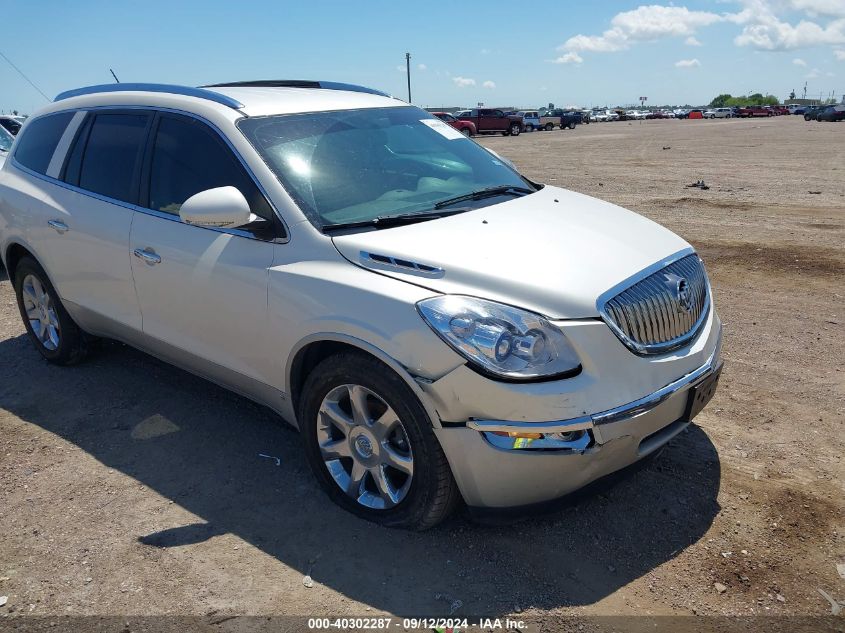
x=130, y=487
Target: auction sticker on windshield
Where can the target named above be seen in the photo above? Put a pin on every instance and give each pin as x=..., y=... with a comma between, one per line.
x=439, y=126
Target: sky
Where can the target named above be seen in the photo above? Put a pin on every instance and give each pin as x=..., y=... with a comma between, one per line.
x=462, y=53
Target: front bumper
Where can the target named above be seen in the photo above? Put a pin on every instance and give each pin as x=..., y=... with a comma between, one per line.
x=490, y=475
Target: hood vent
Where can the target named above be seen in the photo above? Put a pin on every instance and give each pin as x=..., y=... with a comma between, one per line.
x=402, y=265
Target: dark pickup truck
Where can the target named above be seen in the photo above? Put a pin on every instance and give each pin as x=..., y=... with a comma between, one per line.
x=490, y=121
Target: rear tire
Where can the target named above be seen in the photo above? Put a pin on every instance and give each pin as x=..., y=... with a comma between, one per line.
x=514, y=130
x=58, y=339
x=529, y=127
x=418, y=500
x=550, y=127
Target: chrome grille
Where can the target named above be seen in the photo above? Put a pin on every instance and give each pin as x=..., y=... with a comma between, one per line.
x=663, y=310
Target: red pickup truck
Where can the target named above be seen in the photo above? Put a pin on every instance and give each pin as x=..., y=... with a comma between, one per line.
x=750, y=111
x=490, y=121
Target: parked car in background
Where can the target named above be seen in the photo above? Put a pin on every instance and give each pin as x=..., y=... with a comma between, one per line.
x=832, y=113
x=695, y=113
x=813, y=113
x=681, y=113
x=461, y=113
x=10, y=124
x=6, y=140
x=530, y=120
x=718, y=113
x=467, y=128
x=795, y=108
x=753, y=111
x=333, y=254
x=599, y=117
x=780, y=110
x=491, y=121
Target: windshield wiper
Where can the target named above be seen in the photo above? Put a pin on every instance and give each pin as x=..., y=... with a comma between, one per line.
x=385, y=221
x=487, y=192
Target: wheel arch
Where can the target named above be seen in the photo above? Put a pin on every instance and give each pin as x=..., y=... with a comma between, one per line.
x=14, y=252
x=313, y=349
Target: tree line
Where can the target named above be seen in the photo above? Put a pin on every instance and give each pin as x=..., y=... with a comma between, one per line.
x=729, y=101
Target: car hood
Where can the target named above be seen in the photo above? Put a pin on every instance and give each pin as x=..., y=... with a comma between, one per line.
x=553, y=252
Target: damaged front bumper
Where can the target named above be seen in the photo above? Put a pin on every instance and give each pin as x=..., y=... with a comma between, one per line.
x=502, y=464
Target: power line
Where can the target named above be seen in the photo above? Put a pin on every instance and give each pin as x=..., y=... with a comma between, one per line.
x=20, y=72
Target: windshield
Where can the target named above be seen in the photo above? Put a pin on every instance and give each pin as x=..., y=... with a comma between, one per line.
x=6, y=140
x=357, y=165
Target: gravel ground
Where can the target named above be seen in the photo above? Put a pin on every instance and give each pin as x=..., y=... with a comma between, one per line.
x=133, y=488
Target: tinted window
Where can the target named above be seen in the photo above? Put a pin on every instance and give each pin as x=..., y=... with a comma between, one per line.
x=188, y=158
x=112, y=155
x=38, y=142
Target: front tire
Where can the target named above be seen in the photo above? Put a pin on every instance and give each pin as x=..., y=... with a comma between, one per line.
x=550, y=127
x=371, y=445
x=466, y=132
x=50, y=328
x=514, y=129
x=529, y=127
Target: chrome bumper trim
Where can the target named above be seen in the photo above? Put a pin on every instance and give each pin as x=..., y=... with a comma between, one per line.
x=623, y=412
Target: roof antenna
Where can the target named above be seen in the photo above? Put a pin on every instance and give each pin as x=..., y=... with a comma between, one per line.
x=116, y=80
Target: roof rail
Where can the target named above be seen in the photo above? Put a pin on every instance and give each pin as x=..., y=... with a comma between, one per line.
x=138, y=87
x=298, y=83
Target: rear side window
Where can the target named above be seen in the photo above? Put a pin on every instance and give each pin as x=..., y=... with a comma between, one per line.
x=188, y=158
x=113, y=155
x=38, y=142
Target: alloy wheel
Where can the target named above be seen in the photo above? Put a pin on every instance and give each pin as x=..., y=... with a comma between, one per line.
x=41, y=312
x=365, y=447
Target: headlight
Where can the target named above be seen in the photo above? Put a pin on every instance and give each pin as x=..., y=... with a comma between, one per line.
x=500, y=339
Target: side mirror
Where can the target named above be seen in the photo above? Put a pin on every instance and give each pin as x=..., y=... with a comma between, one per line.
x=222, y=207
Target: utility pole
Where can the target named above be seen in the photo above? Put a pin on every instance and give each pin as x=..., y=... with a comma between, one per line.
x=408, y=70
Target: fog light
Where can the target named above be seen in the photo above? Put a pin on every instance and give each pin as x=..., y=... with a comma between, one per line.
x=529, y=436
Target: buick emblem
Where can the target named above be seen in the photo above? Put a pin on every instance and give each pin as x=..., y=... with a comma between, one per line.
x=679, y=286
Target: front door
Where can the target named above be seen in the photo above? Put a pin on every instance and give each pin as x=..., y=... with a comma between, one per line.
x=202, y=291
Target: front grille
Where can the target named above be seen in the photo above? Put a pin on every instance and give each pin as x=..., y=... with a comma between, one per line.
x=662, y=311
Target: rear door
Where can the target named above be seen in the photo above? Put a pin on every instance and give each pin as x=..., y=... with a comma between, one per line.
x=203, y=291
x=87, y=231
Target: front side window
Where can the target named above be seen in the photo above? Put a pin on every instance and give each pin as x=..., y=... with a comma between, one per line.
x=358, y=165
x=188, y=158
x=113, y=154
x=37, y=144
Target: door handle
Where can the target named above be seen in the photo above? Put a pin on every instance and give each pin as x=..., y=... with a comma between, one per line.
x=149, y=256
x=60, y=226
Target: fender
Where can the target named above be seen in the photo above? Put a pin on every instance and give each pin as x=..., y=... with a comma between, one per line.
x=400, y=370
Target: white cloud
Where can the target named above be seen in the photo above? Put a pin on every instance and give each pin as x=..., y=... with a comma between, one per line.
x=422, y=67
x=569, y=58
x=687, y=63
x=830, y=74
x=819, y=23
x=486, y=51
x=799, y=62
x=813, y=74
x=819, y=7
x=463, y=82
x=840, y=54
x=489, y=84
x=770, y=34
x=643, y=24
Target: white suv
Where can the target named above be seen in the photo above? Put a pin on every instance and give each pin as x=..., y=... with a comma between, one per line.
x=438, y=326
